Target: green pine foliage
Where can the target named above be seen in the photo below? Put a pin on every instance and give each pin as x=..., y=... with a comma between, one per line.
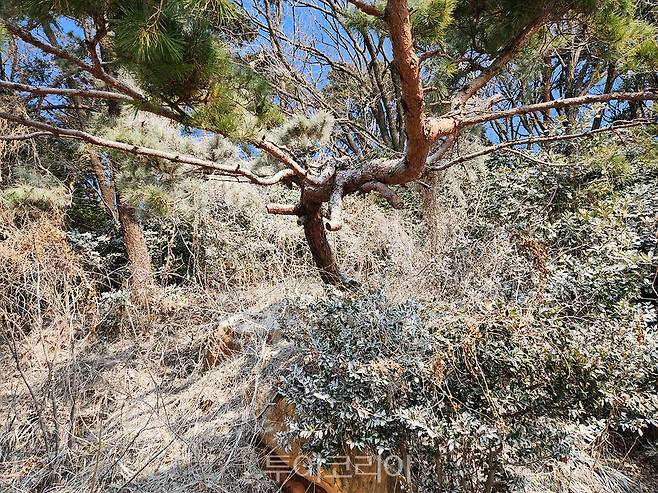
x=431, y=18
x=49, y=9
x=174, y=50
x=33, y=190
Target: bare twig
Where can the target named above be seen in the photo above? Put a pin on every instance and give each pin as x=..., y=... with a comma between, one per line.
x=80, y=93
x=538, y=140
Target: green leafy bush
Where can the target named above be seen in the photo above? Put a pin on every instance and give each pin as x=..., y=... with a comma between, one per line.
x=466, y=403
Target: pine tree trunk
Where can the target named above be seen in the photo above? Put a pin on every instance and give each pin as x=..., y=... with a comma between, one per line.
x=317, y=240
x=139, y=260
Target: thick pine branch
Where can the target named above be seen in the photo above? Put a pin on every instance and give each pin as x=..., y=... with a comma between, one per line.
x=137, y=150
x=647, y=95
x=455, y=121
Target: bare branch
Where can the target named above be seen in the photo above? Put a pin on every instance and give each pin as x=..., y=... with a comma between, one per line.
x=647, y=95
x=284, y=209
x=440, y=52
x=443, y=149
x=383, y=190
x=538, y=140
x=367, y=8
x=23, y=136
x=335, y=221
x=65, y=55
x=44, y=91
x=453, y=121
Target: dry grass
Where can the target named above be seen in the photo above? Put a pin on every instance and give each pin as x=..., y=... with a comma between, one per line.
x=126, y=406
x=101, y=395
x=586, y=474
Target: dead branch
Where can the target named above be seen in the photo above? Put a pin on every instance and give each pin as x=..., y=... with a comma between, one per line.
x=335, y=222
x=284, y=209
x=383, y=190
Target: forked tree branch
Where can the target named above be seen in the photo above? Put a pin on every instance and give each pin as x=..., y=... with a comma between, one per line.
x=65, y=55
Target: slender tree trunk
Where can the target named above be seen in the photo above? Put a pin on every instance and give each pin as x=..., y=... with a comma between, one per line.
x=430, y=208
x=547, y=86
x=106, y=186
x=139, y=260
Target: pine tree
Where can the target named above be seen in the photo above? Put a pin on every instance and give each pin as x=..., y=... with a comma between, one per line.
x=436, y=70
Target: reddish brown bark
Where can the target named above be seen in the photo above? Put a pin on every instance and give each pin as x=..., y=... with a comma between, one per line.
x=407, y=66
x=317, y=240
